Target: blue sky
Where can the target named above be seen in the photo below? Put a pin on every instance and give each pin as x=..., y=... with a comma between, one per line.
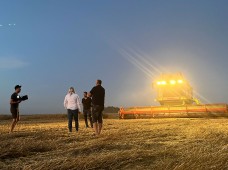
x=54, y=44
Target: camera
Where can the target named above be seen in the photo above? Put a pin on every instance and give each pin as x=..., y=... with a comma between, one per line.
x=23, y=98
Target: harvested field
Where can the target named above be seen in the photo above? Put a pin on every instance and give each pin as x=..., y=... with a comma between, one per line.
x=124, y=144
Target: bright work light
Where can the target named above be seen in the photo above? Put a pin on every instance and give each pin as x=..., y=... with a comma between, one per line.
x=163, y=82
x=172, y=82
x=180, y=81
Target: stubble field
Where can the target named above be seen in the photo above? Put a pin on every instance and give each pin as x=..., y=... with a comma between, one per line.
x=161, y=144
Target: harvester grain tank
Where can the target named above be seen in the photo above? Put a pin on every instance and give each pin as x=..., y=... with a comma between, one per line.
x=175, y=95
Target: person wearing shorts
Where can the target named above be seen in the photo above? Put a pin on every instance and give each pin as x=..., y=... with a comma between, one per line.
x=14, y=106
x=98, y=96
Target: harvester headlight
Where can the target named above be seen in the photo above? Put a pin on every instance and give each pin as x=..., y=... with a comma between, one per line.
x=180, y=81
x=158, y=83
x=163, y=82
x=172, y=82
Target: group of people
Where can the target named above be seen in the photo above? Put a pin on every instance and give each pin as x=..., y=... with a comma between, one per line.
x=93, y=106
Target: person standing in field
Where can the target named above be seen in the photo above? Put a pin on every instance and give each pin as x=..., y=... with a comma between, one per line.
x=86, y=102
x=98, y=97
x=14, y=106
x=72, y=104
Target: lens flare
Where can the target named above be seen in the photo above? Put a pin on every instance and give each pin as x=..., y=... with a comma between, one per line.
x=141, y=62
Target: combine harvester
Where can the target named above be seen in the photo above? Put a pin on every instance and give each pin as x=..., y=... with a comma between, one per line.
x=175, y=96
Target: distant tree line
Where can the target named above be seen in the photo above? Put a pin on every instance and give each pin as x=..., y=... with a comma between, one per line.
x=111, y=109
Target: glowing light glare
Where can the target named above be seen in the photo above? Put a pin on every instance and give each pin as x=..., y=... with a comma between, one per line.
x=172, y=82
x=163, y=82
x=158, y=83
x=180, y=81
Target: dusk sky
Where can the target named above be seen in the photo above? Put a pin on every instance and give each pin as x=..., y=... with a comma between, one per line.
x=48, y=46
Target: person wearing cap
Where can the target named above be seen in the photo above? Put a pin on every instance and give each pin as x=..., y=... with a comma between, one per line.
x=14, y=106
x=72, y=104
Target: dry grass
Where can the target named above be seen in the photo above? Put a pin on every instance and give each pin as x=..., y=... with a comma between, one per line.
x=124, y=144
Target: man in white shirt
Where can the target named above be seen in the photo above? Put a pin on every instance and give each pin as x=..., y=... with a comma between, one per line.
x=72, y=104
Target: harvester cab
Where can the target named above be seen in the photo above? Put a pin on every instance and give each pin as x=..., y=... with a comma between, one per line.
x=173, y=90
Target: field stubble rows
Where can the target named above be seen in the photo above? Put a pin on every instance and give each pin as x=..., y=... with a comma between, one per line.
x=124, y=144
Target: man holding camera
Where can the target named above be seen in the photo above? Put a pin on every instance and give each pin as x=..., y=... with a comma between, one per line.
x=14, y=106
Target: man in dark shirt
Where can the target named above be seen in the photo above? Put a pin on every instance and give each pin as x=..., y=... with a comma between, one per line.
x=14, y=106
x=86, y=102
x=98, y=97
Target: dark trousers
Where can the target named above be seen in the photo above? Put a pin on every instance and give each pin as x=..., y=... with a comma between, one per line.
x=72, y=114
x=87, y=114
